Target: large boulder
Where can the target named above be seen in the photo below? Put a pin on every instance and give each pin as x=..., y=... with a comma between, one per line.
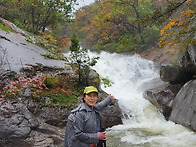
x=112, y=115
x=16, y=122
x=161, y=98
x=184, y=106
x=188, y=60
x=171, y=74
x=18, y=127
x=161, y=95
x=50, y=115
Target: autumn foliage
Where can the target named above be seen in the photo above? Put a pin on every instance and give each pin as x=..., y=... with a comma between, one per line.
x=116, y=26
x=180, y=30
x=135, y=25
x=18, y=87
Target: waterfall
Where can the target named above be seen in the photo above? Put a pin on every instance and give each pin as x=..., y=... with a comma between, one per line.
x=143, y=125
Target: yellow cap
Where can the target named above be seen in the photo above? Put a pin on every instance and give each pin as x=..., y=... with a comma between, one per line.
x=90, y=89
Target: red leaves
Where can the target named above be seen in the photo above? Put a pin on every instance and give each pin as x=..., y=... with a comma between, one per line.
x=16, y=88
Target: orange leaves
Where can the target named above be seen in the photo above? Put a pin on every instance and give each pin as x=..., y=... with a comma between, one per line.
x=187, y=13
x=180, y=30
x=180, y=23
x=64, y=41
x=169, y=26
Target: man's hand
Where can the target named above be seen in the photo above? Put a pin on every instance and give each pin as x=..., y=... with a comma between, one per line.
x=112, y=97
x=101, y=135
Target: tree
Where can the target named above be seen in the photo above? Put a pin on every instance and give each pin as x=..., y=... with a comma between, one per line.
x=36, y=15
x=180, y=29
x=83, y=24
x=41, y=13
x=81, y=61
x=117, y=25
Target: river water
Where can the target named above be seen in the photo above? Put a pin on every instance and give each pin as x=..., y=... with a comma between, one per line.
x=143, y=125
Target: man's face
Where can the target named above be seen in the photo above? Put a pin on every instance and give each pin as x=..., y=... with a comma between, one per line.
x=91, y=98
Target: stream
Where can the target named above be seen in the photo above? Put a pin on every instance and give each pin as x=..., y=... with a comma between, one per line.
x=143, y=125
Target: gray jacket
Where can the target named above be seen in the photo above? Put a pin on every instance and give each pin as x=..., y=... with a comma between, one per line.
x=83, y=124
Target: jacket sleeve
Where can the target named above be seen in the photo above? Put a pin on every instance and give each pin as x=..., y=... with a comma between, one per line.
x=79, y=132
x=100, y=106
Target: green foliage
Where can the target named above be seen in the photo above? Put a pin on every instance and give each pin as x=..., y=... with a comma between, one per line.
x=56, y=56
x=2, y=27
x=54, y=45
x=81, y=61
x=61, y=91
x=30, y=39
x=60, y=100
x=75, y=46
x=37, y=15
x=50, y=81
x=106, y=82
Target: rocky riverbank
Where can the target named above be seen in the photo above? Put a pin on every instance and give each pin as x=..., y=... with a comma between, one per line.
x=23, y=121
x=175, y=98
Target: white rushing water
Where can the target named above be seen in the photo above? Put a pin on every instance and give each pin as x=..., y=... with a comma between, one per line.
x=131, y=75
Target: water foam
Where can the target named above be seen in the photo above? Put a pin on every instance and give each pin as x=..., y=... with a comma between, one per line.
x=146, y=127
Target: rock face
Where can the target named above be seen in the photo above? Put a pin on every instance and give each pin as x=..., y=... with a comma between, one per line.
x=19, y=53
x=174, y=75
x=184, y=106
x=15, y=121
x=188, y=60
x=53, y=116
x=112, y=115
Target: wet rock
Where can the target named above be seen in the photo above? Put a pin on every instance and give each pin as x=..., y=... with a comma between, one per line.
x=161, y=98
x=94, y=78
x=16, y=121
x=20, y=53
x=47, y=135
x=18, y=127
x=44, y=136
x=112, y=115
x=171, y=74
x=54, y=116
x=188, y=60
x=184, y=106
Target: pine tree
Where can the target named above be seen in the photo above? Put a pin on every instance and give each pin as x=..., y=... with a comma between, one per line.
x=81, y=61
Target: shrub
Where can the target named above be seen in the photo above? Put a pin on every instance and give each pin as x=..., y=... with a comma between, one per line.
x=17, y=88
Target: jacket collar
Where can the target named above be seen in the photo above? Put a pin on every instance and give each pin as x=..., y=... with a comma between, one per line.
x=82, y=106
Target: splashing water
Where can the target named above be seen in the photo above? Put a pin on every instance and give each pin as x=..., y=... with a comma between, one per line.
x=143, y=125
